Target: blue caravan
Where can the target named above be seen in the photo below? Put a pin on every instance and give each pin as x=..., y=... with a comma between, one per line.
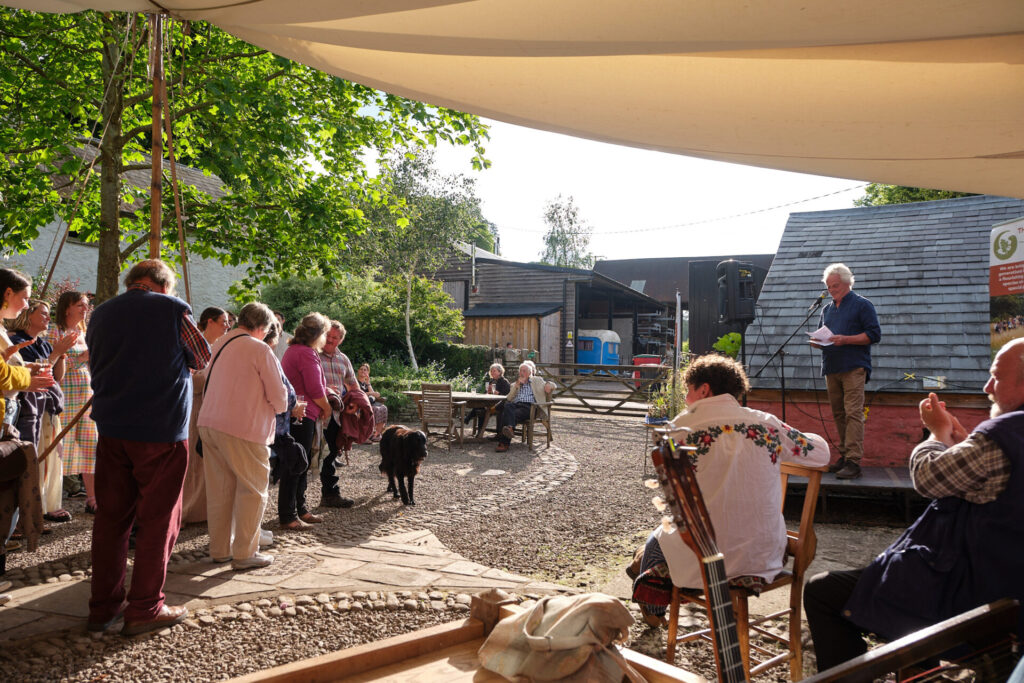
x=597, y=347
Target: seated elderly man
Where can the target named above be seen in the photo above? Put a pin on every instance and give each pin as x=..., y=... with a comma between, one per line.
x=516, y=408
x=737, y=463
x=967, y=547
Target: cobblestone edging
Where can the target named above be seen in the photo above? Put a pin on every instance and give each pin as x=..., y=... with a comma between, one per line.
x=556, y=466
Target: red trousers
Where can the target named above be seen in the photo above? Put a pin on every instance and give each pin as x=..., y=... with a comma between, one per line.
x=136, y=482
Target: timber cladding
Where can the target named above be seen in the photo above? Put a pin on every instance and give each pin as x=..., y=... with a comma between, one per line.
x=524, y=333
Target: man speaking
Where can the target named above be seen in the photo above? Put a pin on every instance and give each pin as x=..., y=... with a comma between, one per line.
x=846, y=363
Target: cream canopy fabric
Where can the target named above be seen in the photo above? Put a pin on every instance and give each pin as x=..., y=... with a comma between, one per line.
x=926, y=93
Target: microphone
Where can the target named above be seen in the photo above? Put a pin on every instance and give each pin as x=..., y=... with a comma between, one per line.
x=817, y=302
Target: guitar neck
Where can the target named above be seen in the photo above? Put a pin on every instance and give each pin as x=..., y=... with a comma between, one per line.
x=727, y=645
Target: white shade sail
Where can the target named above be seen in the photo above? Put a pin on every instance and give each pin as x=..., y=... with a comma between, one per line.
x=926, y=93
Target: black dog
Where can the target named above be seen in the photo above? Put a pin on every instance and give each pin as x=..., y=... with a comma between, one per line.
x=401, y=452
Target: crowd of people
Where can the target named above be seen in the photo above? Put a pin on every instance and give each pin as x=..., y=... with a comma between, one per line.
x=163, y=412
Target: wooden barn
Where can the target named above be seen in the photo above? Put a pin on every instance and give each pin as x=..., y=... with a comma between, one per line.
x=536, y=306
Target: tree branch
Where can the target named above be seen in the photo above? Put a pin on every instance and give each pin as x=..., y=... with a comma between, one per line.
x=188, y=110
x=136, y=167
x=137, y=130
x=132, y=246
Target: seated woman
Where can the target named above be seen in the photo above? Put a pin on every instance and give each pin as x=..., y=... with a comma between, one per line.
x=495, y=383
x=380, y=411
x=737, y=463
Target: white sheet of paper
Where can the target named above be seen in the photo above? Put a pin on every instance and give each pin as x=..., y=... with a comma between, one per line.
x=821, y=336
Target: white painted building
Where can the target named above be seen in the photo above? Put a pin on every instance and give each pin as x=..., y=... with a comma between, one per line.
x=208, y=278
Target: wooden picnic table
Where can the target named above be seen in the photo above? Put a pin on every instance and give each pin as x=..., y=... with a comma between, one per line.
x=472, y=400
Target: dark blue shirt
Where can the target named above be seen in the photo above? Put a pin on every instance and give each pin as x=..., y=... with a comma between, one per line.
x=854, y=315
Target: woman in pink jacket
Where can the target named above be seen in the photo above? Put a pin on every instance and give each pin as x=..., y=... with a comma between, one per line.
x=244, y=393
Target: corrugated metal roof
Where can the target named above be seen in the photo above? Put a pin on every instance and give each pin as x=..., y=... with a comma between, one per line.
x=663, y=276
x=516, y=310
x=925, y=268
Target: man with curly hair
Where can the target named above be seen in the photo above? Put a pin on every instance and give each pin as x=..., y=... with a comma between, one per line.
x=737, y=462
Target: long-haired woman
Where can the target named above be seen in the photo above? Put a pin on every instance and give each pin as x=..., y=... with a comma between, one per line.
x=80, y=442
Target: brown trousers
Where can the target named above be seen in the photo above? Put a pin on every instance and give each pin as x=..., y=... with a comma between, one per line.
x=846, y=395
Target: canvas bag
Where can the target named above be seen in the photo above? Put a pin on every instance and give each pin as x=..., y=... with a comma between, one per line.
x=562, y=638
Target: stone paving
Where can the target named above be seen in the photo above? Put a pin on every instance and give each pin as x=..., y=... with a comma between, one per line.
x=402, y=560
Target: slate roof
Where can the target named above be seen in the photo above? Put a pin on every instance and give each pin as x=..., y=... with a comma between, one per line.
x=516, y=310
x=923, y=265
x=659, y=278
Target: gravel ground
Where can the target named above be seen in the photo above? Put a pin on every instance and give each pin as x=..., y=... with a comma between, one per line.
x=576, y=525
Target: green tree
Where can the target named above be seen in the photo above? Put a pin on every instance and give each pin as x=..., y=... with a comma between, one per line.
x=371, y=310
x=568, y=235
x=484, y=234
x=877, y=194
x=420, y=231
x=288, y=142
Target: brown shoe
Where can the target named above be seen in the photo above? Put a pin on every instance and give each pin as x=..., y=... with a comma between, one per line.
x=168, y=616
x=653, y=620
x=837, y=465
x=502, y=447
x=507, y=432
x=310, y=518
x=851, y=470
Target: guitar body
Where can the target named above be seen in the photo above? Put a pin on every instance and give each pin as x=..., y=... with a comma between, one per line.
x=693, y=524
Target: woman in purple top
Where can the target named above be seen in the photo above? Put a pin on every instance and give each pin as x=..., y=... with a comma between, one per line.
x=301, y=366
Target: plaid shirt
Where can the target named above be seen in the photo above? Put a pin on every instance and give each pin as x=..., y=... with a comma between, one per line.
x=976, y=469
x=337, y=370
x=525, y=394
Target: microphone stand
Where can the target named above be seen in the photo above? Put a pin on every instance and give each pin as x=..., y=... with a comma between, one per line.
x=781, y=352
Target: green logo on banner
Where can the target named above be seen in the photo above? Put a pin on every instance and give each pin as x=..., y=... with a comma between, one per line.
x=1005, y=245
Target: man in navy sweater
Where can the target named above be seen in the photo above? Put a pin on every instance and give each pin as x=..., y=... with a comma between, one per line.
x=846, y=363
x=142, y=345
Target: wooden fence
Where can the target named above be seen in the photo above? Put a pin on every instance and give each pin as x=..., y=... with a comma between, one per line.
x=603, y=389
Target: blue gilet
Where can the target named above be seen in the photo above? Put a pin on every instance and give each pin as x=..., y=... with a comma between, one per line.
x=142, y=387
x=957, y=555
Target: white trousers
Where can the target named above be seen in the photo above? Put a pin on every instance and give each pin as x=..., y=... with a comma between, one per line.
x=237, y=476
x=51, y=470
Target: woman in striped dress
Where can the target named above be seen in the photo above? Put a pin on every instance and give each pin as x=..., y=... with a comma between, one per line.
x=80, y=442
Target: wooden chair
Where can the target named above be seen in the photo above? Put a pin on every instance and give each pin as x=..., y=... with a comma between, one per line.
x=437, y=409
x=985, y=639
x=540, y=413
x=800, y=545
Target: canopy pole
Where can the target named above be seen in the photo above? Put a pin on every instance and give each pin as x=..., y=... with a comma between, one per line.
x=156, y=66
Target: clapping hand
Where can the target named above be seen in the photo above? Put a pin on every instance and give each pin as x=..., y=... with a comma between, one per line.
x=14, y=348
x=42, y=377
x=65, y=342
x=940, y=422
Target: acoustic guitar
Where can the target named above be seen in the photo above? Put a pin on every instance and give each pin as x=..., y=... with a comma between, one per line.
x=690, y=517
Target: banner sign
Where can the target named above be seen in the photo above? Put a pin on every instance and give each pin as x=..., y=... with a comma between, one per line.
x=1006, y=282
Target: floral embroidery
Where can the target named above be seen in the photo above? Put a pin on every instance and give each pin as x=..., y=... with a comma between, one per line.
x=765, y=437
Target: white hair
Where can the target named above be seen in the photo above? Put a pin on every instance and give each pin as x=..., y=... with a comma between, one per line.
x=840, y=269
x=529, y=364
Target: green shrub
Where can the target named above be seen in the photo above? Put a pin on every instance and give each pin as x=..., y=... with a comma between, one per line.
x=392, y=376
x=470, y=359
x=729, y=344
x=373, y=312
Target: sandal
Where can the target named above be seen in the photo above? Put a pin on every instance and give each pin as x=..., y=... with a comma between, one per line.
x=310, y=518
x=295, y=525
x=58, y=516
